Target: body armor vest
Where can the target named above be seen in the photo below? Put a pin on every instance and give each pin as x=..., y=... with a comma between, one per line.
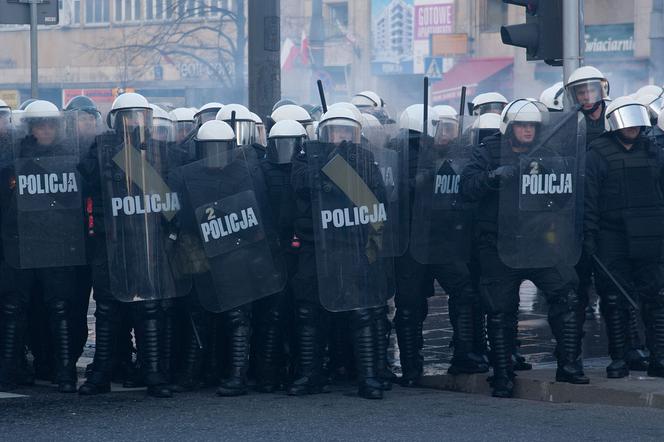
x=632, y=196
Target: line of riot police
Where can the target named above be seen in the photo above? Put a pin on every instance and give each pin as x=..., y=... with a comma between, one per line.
x=234, y=253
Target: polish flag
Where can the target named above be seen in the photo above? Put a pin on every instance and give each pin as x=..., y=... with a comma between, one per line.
x=304, y=49
x=289, y=54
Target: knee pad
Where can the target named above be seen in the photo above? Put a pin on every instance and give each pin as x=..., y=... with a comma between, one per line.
x=107, y=310
x=564, y=303
x=363, y=317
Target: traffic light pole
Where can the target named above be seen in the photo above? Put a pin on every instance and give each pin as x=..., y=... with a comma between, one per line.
x=572, y=26
x=264, y=51
x=34, y=54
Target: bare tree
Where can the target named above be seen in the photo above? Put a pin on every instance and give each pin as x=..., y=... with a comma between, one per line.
x=198, y=32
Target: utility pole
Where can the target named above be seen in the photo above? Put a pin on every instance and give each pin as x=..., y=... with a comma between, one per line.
x=657, y=41
x=264, y=55
x=572, y=28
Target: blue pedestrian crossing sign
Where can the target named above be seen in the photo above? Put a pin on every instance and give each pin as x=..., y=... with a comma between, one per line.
x=433, y=67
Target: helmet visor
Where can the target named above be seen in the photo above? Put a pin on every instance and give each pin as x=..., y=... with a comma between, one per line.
x=206, y=115
x=281, y=150
x=489, y=108
x=163, y=130
x=5, y=119
x=216, y=153
x=183, y=129
x=245, y=132
x=339, y=130
x=261, y=135
x=447, y=130
x=628, y=116
x=587, y=93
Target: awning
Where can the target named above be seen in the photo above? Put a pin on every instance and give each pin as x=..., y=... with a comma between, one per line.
x=469, y=73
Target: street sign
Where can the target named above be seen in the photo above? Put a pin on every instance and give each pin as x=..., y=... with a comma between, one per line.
x=433, y=67
x=11, y=97
x=449, y=44
x=17, y=12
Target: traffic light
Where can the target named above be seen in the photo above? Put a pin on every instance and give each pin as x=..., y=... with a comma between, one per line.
x=541, y=34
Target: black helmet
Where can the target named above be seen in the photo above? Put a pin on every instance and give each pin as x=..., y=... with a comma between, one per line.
x=282, y=102
x=82, y=103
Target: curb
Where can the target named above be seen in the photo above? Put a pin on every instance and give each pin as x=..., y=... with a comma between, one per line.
x=538, y=385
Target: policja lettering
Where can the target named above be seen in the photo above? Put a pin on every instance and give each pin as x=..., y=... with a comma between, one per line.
x=47, y=183
x=546, y=184
x=141, y=204
x=231, y=223
x=447, y=184
x=354, y=216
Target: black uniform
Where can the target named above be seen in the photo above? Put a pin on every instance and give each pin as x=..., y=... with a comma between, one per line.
x=147, y=316
x=500, y=283
x=311, y=318
x=623, y=225
x=57, y=284
x=272, y=313
x=415, y=285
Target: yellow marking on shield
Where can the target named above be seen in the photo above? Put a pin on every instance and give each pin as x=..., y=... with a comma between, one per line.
x=141, y=173
x=344, y=176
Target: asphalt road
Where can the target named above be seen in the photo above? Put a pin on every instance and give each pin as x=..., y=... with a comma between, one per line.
x=405, y=414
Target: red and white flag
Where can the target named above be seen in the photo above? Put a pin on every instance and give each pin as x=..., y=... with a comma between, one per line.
x=304, y=49
x=289, y=53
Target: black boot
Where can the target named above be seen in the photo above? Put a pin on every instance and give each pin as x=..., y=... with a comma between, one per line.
x=636, y=358
x=409, y=333
x=382, y=326
x=519, y=362
x=147, y=318
x=212, y=355
x=65, y=375
x=107, y=316
x=567, y=327
x=12, y=334
x=268, y=354
x=654, y=315
x=189, y=378
x=464, y=360
x=501, y=339
x=365, y=343
x=237, y=324
x=616, y=328
x=339, y=349
x=480, y=346
x=167, y=341
x=311, y=326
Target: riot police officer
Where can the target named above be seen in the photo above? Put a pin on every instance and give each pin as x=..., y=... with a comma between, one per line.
x=87, y=119
x=130, y=262
x=623, y=227
x=285, y=140
x=488, y=102
x=513, y=249
x=439, y=246
x=340, y=263
x=553, y=97
x=42, y=236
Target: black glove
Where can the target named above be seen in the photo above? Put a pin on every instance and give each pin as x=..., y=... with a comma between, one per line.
x=503, y=172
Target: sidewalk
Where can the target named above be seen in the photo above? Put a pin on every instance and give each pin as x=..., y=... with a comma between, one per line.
x=637, y=390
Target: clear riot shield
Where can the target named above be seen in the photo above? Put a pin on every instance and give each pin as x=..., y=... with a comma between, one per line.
x=42, y=219
x=139, y=208
x=236, y=248
x=540, y=211
x=351, y=227
x=441, y=221
x=391, y=157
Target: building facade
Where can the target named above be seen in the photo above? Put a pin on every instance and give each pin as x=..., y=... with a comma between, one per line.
x=187, y=52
